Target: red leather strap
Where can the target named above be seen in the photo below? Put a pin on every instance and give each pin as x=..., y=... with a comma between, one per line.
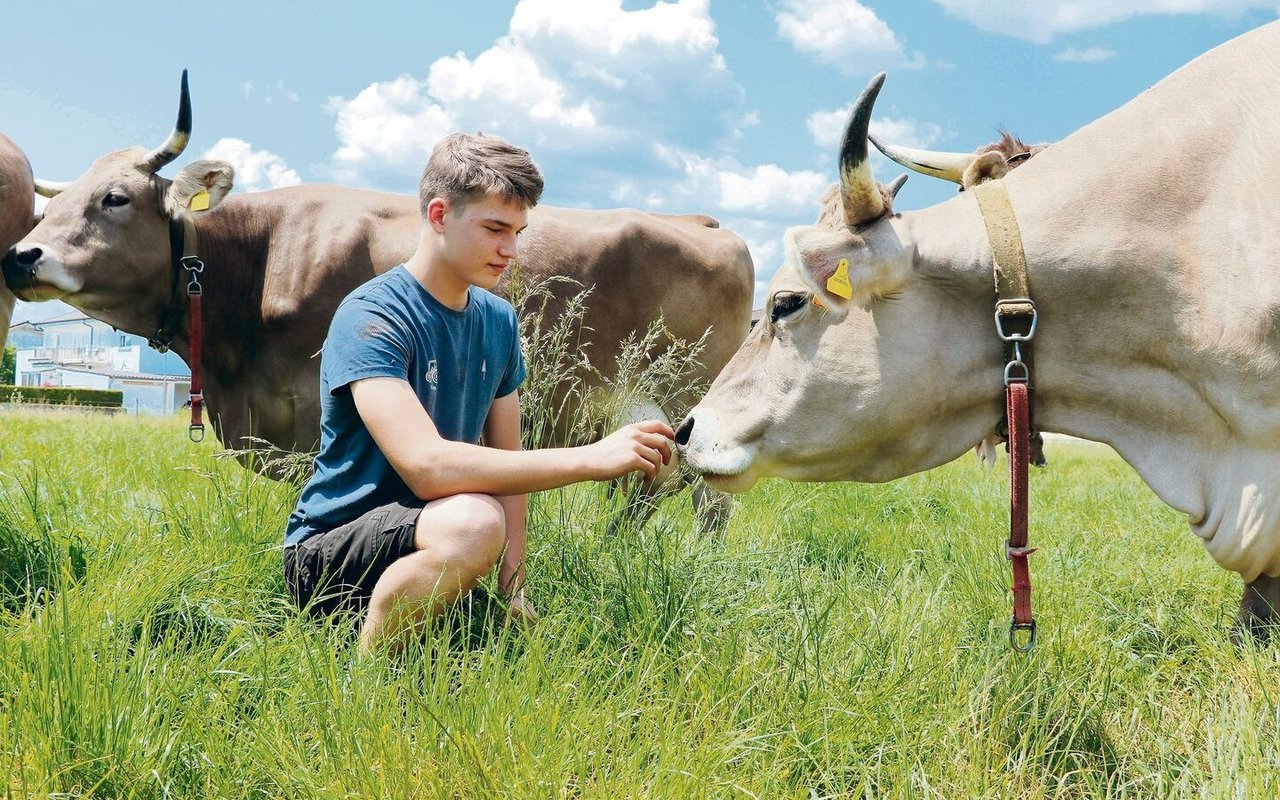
x=1016, y=407
x=196, y=332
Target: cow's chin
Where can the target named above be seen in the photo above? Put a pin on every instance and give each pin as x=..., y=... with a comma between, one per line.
x=40, y=292
x=731, y=483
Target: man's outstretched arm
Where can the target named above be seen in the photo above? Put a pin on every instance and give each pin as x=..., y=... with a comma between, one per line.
x=434, y=467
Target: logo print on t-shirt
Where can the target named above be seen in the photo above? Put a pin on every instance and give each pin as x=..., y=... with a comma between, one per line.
x=433, y=374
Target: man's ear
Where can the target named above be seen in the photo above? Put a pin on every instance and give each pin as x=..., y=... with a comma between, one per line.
x=199, y=187
x=436, y=209
x=840, y=267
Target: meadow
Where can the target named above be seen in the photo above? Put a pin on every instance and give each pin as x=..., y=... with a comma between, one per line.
x=837, y=641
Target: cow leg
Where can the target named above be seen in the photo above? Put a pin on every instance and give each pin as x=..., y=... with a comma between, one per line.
x=1259, y=609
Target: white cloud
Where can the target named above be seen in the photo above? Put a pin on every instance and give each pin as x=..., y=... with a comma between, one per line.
x=1041, y=20
x=764, y=240
x=844, y=34
x=575, y=77
x=271, y=93
x=1089, y=55
x=724, y=184
x=255, y=169
x=389, y=124
x=907, y=132
x=827, y=127
x=485, y=92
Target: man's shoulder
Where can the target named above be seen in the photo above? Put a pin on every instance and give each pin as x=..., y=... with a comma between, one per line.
x=387, y=283
x=378, y=296
x=491, y=304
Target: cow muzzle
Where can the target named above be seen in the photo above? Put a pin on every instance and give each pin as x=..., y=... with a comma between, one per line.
x=20, y=266
x=31, y=274
x=725, y=465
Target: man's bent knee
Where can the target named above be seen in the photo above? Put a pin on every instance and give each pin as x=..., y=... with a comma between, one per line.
x=466, y=531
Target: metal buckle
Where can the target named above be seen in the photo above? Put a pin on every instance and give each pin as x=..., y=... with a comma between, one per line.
x=1009, y=369
x=1016, y=337
x=1010, y=551
x=194, y=266
x=157, y=344
x=1027, y=628
x=1015, y=364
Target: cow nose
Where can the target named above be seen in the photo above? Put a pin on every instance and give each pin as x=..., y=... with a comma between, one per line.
x=17, y=269
x=683, y=431
x=20, y=264
x=28, y=257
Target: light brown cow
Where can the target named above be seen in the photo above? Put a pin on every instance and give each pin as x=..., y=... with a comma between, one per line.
x=278, y=263
x=1152, y=257
x=17, y=210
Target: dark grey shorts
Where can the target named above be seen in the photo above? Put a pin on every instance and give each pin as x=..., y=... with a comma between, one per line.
x=337, y=570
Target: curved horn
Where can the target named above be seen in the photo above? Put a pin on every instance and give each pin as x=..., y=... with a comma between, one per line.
x=858, y=190
x=177, y=141
x=895, y=185
x=51, y=188
x=948, y=166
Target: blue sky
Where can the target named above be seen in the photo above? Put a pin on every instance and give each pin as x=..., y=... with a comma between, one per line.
x=726, y=107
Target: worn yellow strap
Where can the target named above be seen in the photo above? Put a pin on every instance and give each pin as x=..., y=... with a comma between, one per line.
x=1006, y=241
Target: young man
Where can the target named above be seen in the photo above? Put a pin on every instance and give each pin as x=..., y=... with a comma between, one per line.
x=406, y=511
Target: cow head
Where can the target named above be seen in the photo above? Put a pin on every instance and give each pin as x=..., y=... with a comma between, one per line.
x=103, y=243
x=841, y=378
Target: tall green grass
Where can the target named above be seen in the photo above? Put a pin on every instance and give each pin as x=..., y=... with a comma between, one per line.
x=839, y=641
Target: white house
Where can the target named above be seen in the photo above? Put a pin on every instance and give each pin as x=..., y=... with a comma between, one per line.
x=73, y=350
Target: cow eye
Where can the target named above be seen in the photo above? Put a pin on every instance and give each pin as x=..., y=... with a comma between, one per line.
x=114, y=200
x=786, y=304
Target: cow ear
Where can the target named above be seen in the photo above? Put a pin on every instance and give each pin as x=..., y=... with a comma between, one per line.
x=199, y=187
x=988, y=166
x=840, y=267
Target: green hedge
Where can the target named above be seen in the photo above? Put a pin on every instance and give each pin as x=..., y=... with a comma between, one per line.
x=58, y=396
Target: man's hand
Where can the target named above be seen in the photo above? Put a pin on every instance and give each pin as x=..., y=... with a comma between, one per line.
x=642, y=446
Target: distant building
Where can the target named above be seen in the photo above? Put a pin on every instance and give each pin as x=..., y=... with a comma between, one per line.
x=75, y=351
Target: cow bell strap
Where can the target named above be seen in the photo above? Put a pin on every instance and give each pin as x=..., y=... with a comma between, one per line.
x=1015, y=317
x=182, y=251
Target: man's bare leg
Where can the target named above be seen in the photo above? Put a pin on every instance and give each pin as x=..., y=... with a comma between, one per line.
x=459, y=539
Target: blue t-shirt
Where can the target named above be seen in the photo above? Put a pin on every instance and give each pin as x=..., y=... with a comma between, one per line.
x=457, y=362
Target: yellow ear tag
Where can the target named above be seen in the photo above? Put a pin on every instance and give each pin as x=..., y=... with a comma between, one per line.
x=199, y=201
x=838, y=284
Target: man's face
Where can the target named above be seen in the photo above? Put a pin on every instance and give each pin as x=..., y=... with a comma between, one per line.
x=480, y=238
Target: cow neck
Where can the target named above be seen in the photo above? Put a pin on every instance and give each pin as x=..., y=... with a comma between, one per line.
x=1015, y=318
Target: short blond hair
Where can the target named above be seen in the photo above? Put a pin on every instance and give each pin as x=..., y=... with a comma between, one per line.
x=466, y=167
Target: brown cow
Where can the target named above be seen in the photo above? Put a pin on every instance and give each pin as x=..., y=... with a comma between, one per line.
x=17, y=213
x=278, y=263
